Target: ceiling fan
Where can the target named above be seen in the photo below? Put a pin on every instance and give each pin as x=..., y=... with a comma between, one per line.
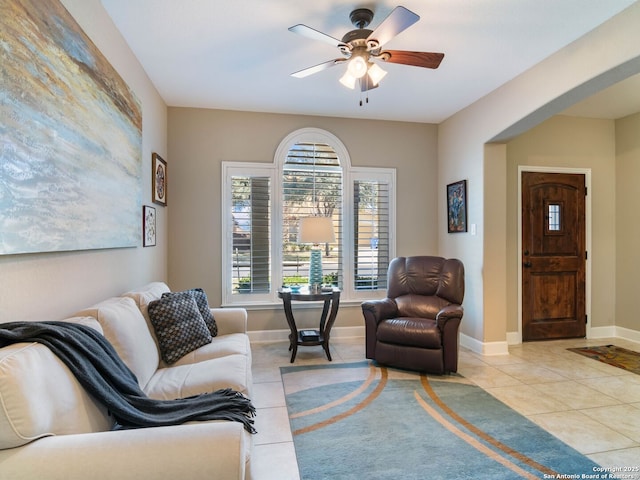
x=360, y=47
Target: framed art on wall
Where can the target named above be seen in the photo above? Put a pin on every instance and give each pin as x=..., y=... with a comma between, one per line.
x=159, y=180
x=148, y=226
x=64, y=186
x=457, y=206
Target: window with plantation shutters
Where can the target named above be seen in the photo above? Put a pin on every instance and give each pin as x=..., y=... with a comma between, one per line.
x=371, y=201
x=247, y=234
x=311, y=176
x=251, y=242
x=311, y=186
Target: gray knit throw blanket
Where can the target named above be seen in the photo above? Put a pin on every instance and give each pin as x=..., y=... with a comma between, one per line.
x=99, y=369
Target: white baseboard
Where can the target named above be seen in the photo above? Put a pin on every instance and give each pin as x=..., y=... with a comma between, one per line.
x=602, y=332
x=615, y=332
x=514, y=338
x=263, y=336
x=483, y=348
x=611, y=331
x=628, y=334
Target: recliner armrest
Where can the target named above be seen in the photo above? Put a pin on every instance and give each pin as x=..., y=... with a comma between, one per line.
x=381, y=309
x=447, y=313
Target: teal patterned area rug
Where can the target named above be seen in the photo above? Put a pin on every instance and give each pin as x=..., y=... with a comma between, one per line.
x=362, y=421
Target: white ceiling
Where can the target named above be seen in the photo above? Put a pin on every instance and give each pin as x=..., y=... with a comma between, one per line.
x=238, y=54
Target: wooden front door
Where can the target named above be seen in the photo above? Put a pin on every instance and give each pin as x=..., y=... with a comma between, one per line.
x=553, y=256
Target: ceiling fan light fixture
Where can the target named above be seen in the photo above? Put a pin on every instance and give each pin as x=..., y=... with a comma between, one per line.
x=362, y=48
x=376, y=73
x=357, y=66
x=348, y=80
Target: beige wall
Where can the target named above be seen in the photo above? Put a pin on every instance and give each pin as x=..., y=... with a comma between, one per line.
x=51, y=286
x=577, y=143
x=200, y=139
x=627, y=222
x=604, y=56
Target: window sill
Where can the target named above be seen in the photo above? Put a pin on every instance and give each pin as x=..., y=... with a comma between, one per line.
x=299, y=305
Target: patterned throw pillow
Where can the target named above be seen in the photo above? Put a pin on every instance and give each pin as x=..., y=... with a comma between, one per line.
x=178, y=324
x=203, y=306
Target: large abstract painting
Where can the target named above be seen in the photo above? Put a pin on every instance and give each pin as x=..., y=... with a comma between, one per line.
x=71, y=137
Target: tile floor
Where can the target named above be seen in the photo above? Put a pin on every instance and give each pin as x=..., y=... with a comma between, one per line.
x=591, y=406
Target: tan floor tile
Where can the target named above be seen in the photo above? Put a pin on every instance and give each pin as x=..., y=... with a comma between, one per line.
x=619, y=459
x=537, y=351
x=272, y=425
x=296, y=381
x=605, y=369
x=527, y=400
x=468, y=359
x=275, y=461
x=623, y=387
x=348, y=352
x=312, y=355
x=582, y=432
x=575, y=369
x=488, y=377
x=499, y=359
x=574, y=395
x=267, y=373
x=274, y=354
x=527, y=373
x=621, y=418
x=267, y=395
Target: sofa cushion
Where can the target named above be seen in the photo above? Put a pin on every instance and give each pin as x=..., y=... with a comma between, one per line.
x=178, y=324
x=408, y=331
x=126, y=329
x=179, y=381
x=220, y=346
x=147, y=294
x=143, y=297
x=203, y=306
x=40, y=397
x=87, y=322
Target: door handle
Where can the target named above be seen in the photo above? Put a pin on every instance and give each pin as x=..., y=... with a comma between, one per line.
x=527, y=264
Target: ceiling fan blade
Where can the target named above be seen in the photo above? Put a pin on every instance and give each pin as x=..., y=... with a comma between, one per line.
x=315, y=35
x=317, y=68
x=397, y=21
x=417, y=59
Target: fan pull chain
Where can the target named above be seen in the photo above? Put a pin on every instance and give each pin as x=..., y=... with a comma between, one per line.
x=366, y=100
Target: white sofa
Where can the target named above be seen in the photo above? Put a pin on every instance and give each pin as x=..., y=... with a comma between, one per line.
x=50, y=428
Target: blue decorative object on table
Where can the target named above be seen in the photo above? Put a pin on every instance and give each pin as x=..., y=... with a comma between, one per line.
x=315, y=267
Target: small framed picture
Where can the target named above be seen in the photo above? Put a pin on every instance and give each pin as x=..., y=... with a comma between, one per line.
x=148, y=226
x=159, y=180
x=457, y=206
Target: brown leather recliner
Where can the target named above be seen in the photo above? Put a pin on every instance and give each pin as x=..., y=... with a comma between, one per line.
x=416, y=326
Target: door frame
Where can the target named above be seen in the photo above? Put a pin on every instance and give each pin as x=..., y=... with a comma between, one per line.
x=587, y=178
